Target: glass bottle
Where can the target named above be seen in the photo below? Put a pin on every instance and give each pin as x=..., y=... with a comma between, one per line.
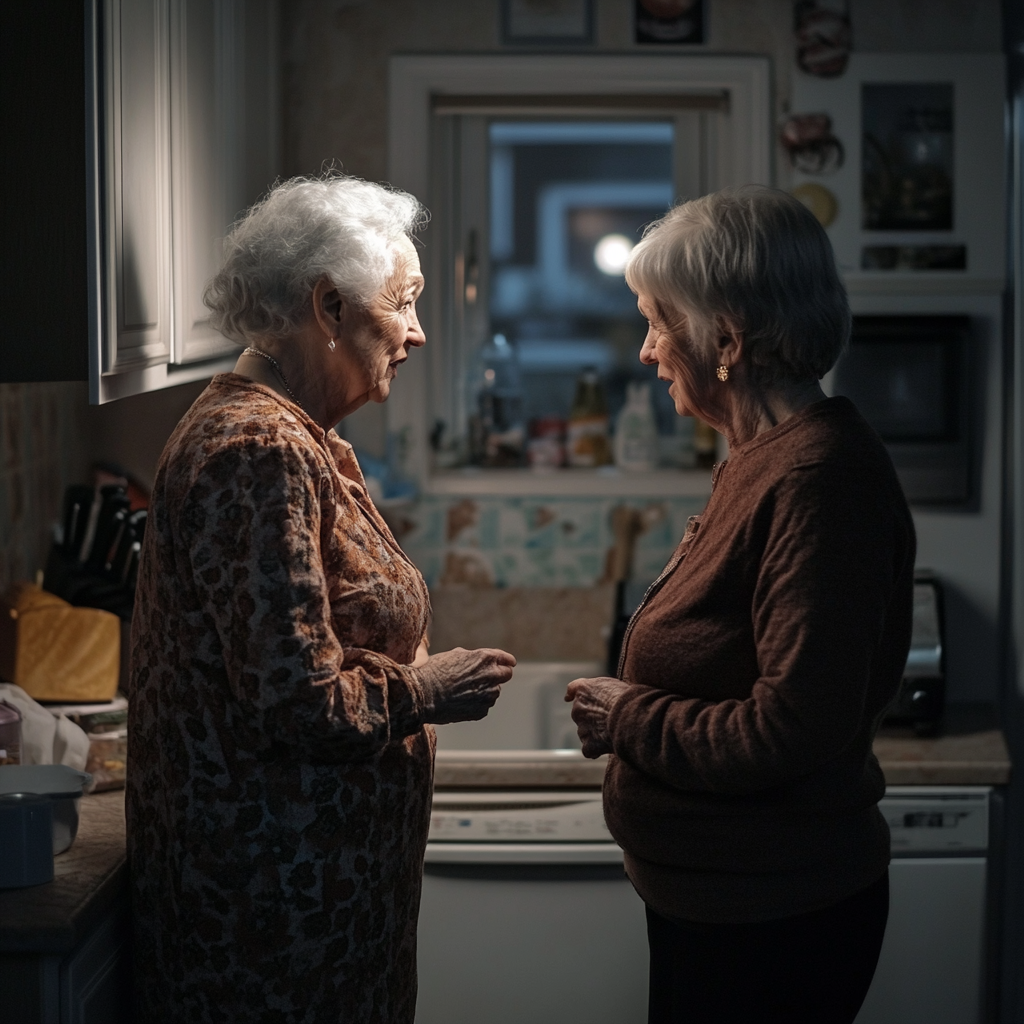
x=587, y=436
x=500, y=431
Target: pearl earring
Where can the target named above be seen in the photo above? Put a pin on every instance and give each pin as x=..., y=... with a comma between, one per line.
x=722, y=373
x=330, y=344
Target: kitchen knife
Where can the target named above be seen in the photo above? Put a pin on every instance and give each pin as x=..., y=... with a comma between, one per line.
x=78, y=501
x=113, y=511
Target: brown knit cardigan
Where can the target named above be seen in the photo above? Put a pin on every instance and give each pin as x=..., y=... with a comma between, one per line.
x=742, y=785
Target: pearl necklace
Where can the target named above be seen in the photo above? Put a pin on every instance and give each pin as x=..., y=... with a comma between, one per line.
x=250, y=351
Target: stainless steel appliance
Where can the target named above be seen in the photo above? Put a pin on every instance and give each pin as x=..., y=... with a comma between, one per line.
x=911, y=377
x=922, y=695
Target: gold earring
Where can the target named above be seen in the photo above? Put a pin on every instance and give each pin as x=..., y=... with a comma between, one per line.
x=722, y=373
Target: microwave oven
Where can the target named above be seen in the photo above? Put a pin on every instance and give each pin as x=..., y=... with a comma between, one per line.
x=910, y=377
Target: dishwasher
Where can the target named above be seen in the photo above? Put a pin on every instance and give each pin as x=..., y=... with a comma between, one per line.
x=932, y=966
x=527, y=916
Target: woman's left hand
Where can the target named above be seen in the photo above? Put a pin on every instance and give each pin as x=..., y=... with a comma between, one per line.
x=592, y=701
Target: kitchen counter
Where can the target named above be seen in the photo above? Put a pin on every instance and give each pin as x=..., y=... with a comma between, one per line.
x=65, y=947
x=969, y=751
x=89, y=880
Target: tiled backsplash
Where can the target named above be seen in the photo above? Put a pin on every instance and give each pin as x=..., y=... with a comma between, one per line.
x=41, y=452
x=532, y=542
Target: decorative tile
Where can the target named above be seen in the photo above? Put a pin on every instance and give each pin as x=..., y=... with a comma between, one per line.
x=530, y=542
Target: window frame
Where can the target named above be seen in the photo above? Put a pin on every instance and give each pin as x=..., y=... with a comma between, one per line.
x=738, y=151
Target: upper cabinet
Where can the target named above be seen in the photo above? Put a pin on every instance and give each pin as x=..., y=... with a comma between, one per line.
x=222, y=148
x=185, y=138
x=133, y=143
x=135, y=132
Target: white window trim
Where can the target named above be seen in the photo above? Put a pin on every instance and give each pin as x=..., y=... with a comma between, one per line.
x=743, y=156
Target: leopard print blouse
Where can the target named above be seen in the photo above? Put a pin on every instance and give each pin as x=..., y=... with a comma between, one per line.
x=280, y=775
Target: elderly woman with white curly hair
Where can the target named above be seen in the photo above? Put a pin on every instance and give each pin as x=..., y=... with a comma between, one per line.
x=281, y=692
x=741, y=783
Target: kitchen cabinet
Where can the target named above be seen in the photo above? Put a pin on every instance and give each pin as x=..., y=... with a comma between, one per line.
x=130, y=141
x=138, y=130
x=184, y=127
x=65, y=947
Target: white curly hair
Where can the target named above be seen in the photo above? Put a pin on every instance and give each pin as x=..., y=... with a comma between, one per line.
x=305, y=229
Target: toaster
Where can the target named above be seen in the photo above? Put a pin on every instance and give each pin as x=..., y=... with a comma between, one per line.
x=921, y=698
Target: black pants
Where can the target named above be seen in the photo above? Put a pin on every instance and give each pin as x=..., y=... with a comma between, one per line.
x=812, y=969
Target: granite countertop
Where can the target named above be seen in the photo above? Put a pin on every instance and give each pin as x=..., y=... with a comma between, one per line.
x=89, y=879
x=969, y=751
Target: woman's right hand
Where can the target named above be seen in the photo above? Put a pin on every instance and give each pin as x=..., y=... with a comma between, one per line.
x=461, y=685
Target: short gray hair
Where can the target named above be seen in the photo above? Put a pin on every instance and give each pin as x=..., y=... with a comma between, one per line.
x=306, y=229
x=755, y=258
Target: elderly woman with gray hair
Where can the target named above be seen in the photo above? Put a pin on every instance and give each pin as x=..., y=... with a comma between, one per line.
x=281, y=693
x=741, y=782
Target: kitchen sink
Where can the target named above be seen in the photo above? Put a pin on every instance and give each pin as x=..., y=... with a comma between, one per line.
x=531, y=717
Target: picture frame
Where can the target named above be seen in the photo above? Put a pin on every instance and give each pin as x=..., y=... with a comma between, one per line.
x=669, y=22
x=547, y=22
x=918, y=195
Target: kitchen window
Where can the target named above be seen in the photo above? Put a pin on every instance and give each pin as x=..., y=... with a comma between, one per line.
x=539, y=183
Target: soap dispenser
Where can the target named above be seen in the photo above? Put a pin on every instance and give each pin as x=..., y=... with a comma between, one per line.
x=636, y=431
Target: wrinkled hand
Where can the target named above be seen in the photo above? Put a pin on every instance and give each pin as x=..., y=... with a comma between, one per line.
x=592, y=701
x=461, y=685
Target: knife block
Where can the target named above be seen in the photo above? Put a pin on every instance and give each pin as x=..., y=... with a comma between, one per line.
x=56, y=652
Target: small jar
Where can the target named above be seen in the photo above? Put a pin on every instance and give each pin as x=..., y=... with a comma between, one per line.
x=10, y=734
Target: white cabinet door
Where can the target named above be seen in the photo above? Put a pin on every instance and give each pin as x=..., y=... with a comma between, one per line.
x=223, y=145
x=205, y=161
x=183, y=136
x=138, y=292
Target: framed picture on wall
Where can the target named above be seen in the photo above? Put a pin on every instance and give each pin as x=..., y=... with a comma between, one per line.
x=547, y=22
x=669, y=22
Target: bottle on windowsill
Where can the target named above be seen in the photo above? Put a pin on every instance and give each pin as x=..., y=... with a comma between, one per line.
x=498, y=433
x=636, y=431
x=587, y=443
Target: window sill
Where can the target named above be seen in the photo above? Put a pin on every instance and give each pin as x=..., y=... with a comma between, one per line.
x=607, y=482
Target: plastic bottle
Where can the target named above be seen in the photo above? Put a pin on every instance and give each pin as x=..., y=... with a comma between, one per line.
x=636, y=431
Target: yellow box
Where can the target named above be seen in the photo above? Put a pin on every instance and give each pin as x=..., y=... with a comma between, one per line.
x=55, y=651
